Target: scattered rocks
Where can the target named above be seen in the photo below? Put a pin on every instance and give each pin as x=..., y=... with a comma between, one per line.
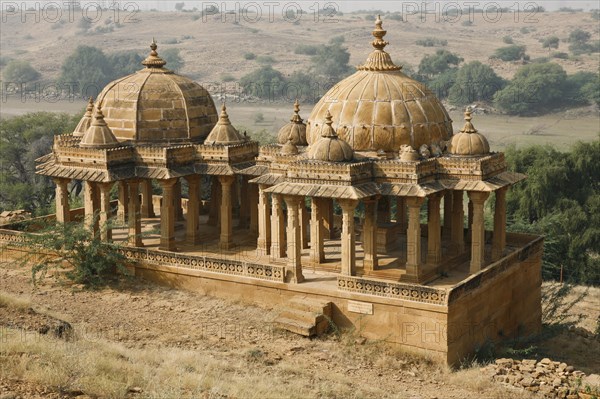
x=546, y=377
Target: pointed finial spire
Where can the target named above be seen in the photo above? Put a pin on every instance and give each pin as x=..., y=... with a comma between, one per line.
x=379, y=33
x=90, y=107
x=99, y=117
x=296, y=115
x=328, y=130
x=224, y=117
x=468, y=127
x=153, y=60
x=379, y=60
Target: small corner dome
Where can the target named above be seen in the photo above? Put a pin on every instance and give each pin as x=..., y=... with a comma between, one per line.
x=99, y=135
x=331, y=148
x=294, y=130
x=469, y=142
x=156, y=105
x=380, y=108
x=224, y=133
x=289, y=148
x=85, y=121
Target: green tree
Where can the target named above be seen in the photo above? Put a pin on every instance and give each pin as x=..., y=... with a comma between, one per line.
x=560, y=199
x=20, y=71
x=174, y=60
x=475, y=82
x=442, y=83
x=331, y=61
x=510, y=53
x=23, y=139
x=535, y=88
x=551, y=42
x=578, y=40
x=574, y=88
x=124, y=63
x=591, y=91
x=87, y=70
x=438, y=63
x=264, y=82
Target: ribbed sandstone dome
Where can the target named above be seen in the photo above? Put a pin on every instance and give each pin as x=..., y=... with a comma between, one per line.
x=380, y=108
x=98, y=135
x=224, y=133
x=294, y=130
x=155, y=105
x=329, y=147
x=469, y=142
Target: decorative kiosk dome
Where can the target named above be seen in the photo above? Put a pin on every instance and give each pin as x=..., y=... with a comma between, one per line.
x=380, y=108
x=294, y=130
x=85, y=122
x=469, y=142
x=289, y=148
x=331, y=148
x=99, y=134
x=155, y=105
x=224, y=133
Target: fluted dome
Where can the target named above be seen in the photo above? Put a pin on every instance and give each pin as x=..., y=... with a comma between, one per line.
x=86, y=120
x=295, y=129
x=155, y=105
x=289, y=148
x=224, y=133
x=331, y=148
x=98, y=135
x=380, y=108
x=469, y=142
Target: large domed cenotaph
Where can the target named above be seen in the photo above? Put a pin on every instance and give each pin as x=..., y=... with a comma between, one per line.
x=326, y=225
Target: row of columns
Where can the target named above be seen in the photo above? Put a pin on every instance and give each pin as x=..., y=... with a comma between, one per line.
x=130, y=209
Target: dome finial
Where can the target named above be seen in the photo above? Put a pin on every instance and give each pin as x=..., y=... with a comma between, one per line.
x=379, y=60
x=379, y=33
x=296, y=115
x=90, y=107
x=328, y=130
x=468, y=127
x=224, y=117
x=153, y=60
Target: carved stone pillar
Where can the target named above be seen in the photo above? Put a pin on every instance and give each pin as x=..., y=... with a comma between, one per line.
x=328, y=219
x=215, y=195
x=317, y=230
x=348, y=237
x=147, y=206
x=304, y=223
x=294, y=238
x=469, y=220
x=401, y=212
x=167, y=215
x=105, y=214
x=458, y=223
x=134, y=219
x=90, y=205
x=123, y=202
x=383, y=210
x=263, y=243
x=226, y=237
x=370, y=235
x=63, y=211
x=478, y=230
x=447, y=229
x=434, y=231
x=245, y=203
x=192, y=233
x=253, y=205
x=278, y=245
x=177, y=196
x=499, y=238
x=413, y=239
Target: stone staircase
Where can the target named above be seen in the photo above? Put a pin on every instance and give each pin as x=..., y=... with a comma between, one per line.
x=305, y=316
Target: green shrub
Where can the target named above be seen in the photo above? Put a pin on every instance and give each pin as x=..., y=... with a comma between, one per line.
x=249, y=56
x=508, y=40
x=20, y=71
x=510, y=53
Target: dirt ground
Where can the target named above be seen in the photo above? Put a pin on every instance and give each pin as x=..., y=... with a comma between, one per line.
x=218, y=348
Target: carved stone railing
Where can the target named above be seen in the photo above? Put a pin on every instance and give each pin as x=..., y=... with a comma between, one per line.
x=207, y=264
x=388, y=289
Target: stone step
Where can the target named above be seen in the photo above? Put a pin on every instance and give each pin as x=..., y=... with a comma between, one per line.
x=302, y=316
x=305, y=316
x=306, y=329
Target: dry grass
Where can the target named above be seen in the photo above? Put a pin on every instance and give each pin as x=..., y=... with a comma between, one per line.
x=15, y=302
